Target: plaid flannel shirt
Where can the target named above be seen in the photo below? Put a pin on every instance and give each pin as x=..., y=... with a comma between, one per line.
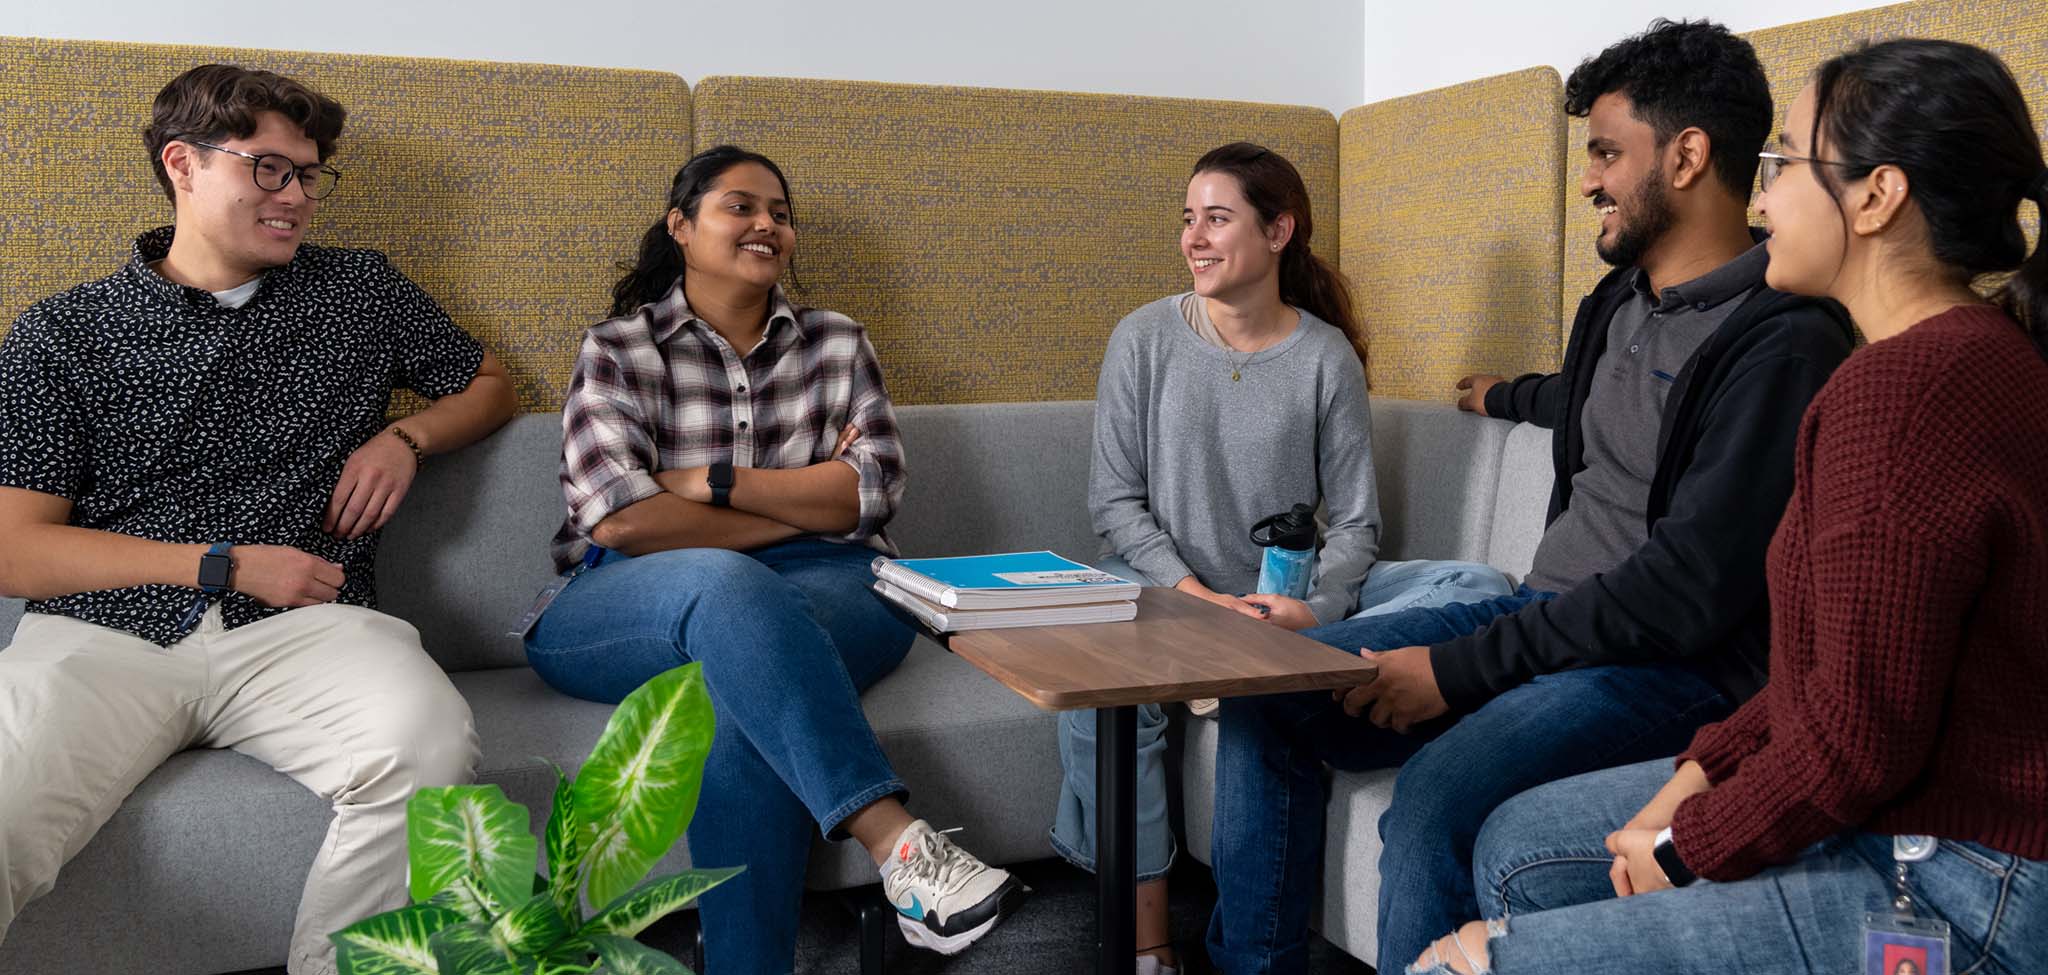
x=658, y=389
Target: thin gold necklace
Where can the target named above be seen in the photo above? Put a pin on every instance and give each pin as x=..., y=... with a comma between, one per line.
x=1236, y=367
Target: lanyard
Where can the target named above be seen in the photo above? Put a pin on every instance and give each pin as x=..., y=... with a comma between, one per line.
x=1907, y=850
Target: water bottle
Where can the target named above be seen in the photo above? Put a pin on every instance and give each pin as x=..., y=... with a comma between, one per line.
x=1289, y=539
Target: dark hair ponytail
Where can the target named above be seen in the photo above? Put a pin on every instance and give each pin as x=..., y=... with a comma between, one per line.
x=2025, y=295
x=660, y=261
x=1952, y=117
x=1273, y=186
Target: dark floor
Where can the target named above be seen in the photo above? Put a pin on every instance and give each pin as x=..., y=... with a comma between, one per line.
x=1054, y=933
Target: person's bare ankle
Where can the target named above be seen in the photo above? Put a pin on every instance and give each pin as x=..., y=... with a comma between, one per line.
x=877, y=826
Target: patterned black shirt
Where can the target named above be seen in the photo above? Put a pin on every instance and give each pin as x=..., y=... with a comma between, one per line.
x=162, y=414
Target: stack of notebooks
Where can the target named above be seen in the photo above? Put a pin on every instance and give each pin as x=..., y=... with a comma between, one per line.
x=983, y=592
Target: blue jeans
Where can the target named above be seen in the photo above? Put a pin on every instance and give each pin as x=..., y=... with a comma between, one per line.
x=1270, y=788
x=788, y=635
x=1389, y=587
x=1540, y=862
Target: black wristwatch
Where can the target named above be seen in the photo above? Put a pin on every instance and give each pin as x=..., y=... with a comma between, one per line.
x=720, y=478
x=1674, y=868
x=216, y=568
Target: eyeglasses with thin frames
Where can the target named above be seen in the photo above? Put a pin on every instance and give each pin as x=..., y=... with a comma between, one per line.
x=1774, y=164
x=273, y=172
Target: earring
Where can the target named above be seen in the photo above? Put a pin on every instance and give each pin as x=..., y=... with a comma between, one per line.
x=1276, y=247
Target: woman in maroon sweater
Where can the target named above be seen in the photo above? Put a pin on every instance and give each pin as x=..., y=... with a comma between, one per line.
x=1909, y=595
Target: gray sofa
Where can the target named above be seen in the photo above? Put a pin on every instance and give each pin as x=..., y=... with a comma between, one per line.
x=199, y=872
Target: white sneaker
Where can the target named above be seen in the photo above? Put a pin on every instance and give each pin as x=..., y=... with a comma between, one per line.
x=1203, y=707
x=1150, y=965
x=945, y=899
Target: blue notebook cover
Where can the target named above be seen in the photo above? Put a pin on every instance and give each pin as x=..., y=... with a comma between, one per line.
x=1011, y=570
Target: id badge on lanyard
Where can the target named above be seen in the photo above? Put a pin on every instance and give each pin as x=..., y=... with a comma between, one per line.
x=1898, y=942
x=548, y=593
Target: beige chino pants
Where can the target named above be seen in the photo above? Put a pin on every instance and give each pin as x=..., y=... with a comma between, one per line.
x=342, y=699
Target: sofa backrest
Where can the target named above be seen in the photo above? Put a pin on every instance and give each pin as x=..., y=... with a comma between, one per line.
x=1451, y=230
x=468, y=551
x=990, y=239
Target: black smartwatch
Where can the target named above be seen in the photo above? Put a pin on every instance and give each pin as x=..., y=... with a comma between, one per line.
x=216, y=568
x=720, y=478
x=1674, y=868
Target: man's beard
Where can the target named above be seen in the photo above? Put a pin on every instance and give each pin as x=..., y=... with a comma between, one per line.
x=1644, y=219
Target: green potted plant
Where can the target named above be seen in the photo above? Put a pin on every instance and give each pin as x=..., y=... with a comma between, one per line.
x=479, y=906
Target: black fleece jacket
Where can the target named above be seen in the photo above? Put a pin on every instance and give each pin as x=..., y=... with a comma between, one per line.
x=1694, y=593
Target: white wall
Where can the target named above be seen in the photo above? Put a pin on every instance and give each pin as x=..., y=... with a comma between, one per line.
x=1411, y=47
x=1292, y=51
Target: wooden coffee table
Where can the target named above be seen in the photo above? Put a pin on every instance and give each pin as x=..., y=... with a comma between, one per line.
x=1179, y=648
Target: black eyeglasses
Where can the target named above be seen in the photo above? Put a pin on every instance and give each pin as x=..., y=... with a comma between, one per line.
x=1774, y=163
x=273, y=172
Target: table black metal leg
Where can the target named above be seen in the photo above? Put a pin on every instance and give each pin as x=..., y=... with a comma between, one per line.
x=1116, y=828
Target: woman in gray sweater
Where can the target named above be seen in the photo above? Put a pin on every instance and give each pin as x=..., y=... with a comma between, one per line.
x=1215, y=409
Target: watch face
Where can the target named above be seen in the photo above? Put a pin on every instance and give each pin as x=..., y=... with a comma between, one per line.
x=214, y=571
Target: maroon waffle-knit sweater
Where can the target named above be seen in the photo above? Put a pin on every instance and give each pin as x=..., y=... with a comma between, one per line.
x=1909, y=614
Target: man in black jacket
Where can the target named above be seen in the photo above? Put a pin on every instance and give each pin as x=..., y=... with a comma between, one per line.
x=1644, y=615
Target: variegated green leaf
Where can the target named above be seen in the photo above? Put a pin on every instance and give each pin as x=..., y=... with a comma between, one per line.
x=469, y=949
x=635, y=795
x=392, y=943
x=531, y=928
x=463, y=898
x=570, y=955
x=624, y=956
x=470, y=831
x=564, y=843
x=654, y=900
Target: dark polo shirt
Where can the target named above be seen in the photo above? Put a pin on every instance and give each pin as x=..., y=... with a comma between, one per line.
x=1648, y=341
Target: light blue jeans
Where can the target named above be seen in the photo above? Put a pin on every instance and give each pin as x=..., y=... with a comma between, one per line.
x=1389, y=588
x=1540, y=863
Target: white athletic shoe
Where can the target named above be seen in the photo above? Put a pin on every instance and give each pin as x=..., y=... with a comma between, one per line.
x=1149, y=965
x=945, y=899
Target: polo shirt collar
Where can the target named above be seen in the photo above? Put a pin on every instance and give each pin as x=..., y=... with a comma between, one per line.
x=1729, y=281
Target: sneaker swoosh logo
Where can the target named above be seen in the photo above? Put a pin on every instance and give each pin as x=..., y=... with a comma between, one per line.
x=915, y=911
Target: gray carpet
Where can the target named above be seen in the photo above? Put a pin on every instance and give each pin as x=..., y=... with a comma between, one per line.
x=1053, y=933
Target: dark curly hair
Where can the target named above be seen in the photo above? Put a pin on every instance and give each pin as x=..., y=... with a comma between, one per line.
x=1686, y=74
x=223, y=101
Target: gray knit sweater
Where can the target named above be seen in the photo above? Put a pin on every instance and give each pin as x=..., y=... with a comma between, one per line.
x=1187, y=460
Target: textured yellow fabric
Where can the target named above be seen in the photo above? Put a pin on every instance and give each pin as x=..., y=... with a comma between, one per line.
x=990, y=239
x=507, y=191
x=1451, y=230
x=2016, y=30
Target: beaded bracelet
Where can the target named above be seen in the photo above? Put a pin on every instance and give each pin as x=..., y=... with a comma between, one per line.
x=419, y=457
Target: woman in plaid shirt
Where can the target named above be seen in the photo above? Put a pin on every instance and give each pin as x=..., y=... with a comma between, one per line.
x=729, y=460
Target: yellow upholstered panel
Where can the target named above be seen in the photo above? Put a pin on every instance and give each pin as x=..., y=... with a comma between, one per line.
x=990, y=239
x=507, y=191
x=1451, y=230
x=2016, y=30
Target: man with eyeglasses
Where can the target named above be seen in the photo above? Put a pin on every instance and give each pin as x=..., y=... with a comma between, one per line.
x=194, y=467
x=1644, y=615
